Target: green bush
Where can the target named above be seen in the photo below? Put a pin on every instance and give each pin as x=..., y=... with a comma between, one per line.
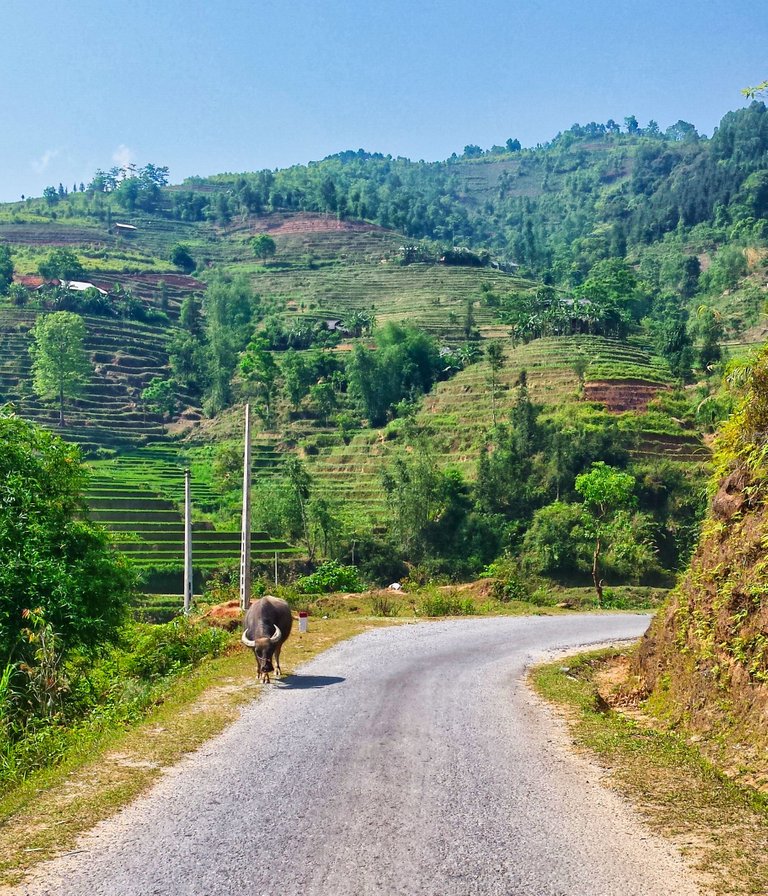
x=331, y=576
x=384, y=604
x=47, y=709
x=161, y=650
x=510, y=583
x=439, y=604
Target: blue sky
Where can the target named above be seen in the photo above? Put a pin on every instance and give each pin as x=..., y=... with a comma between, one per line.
x=205, y=87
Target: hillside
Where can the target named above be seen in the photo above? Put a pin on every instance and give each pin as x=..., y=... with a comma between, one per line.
x=483, y=329
x=704, y=662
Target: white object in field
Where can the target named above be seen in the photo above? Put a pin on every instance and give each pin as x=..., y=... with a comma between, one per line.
x=395, y=586
x=302, y=621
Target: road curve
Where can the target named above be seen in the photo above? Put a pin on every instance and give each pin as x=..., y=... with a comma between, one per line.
x=405, y=761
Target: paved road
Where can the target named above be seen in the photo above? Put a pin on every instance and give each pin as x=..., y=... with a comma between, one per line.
x=408, y=761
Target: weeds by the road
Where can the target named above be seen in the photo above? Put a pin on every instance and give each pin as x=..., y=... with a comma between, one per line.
x=720, y=827
x=44, y=815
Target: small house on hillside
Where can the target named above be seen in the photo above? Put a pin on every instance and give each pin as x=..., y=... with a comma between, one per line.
x=40, y=285
x=81, y=286
x=334, y=325
x=124, y=229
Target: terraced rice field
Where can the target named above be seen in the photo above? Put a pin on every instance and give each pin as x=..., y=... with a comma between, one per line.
x=140, y=497
x=51, y=233
x=317, y=237
x=459, y=411
x=433, y=297
x=126, y=355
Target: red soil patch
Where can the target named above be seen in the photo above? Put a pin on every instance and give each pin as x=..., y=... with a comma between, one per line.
x=283, y=224
x=624, y=395
x=226, y=616
x=172, y=280
x=30, y=281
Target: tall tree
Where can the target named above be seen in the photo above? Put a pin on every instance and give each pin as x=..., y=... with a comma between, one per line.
x=608, y=499
x=263, y=246
x=53, y=562
x=6, y=269
x=228, y=306
x=60, y=366
x=61, y=264
x=260, y=377
x=182, y=258
x=495, y=356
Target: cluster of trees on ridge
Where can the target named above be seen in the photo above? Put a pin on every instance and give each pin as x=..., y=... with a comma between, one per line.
x=595, y=191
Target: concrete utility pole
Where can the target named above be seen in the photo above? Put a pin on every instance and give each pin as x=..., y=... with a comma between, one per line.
x=187, y=542
x=275, y=569
x=245, y=536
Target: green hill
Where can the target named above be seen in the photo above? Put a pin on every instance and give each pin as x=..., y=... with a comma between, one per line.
x=613, y=270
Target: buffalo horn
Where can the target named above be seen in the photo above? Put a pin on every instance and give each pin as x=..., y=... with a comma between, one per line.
x=245, y=639
x=276, y=637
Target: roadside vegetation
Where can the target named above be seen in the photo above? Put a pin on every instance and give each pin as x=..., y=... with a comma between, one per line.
x=719, y=826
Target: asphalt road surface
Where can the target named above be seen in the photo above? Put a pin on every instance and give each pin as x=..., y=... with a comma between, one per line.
x=406, y=761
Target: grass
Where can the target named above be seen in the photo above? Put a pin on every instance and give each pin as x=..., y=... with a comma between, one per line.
x=721, y=828
x=44, y=816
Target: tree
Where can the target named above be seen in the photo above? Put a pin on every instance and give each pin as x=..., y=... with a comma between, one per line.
x=753, y=92
x=296, y=377
x=711, y=330
x=263, y=246
x=555, y=542
x=53, y=562
x=61, y=264
x=632, y=125
x=323, y=397
x=18, y=295
x=160, y=396
x=405, y=363
x=60, y=366
x=228, y=307
x=608, y=497
x=469, y=320
x=6, y=269
x=182, y=258
x=260, y=374
x=190, y=316
x=300, y=488
x=427, y=506
x=495, y=355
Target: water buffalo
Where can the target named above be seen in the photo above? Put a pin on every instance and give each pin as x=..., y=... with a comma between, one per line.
x=267, y=626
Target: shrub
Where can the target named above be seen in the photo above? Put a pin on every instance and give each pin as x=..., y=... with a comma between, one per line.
x=53, y=561
x=384, y=604
x=331, y=576
x=162, y=650
x=440, y=604
x=510, y=583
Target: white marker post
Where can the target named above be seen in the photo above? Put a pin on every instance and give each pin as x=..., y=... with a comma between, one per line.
x=245, y=535
x=187, y=543
x=302, y=621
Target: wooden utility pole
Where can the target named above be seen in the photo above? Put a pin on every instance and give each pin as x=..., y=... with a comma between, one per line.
x=245, y=535
x=187, y=542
